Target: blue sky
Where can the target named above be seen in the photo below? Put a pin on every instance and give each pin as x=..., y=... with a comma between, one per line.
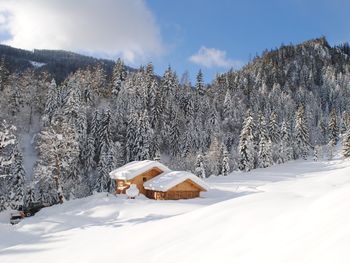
x=244, y=28
x=187, y=34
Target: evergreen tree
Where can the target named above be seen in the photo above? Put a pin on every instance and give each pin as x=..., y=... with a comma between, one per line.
x=246, y=144
x=301, y=134
x=199, y=168
x=200, y=83
x=346, y=145
x=58, y=156
x=214, y=157
x=285, y=153
x=4, y=74
x=264, y=154
x=17, y=190
x=225, y=164
x=118, y=77
x=104, y=167
x=333, y=128
x=143, y=138
x=52, y=103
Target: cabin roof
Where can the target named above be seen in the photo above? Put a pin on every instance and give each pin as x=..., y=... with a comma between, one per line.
x=168, y=180
x=135, y=168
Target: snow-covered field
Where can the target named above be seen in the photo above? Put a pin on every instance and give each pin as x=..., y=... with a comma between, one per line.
x=295, y=212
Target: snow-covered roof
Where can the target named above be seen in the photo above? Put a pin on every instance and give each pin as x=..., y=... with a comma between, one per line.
x=168, y=180
x=133, y=169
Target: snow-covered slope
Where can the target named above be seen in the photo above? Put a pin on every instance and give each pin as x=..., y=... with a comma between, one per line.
x=295, y=212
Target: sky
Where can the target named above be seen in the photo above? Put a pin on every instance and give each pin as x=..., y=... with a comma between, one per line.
x=187, y=34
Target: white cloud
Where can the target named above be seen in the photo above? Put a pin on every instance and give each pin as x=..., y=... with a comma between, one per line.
x=212, y=57
x=113, y=27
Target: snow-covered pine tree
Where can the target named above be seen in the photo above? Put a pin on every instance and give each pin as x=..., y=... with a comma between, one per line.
x=301, y=134
x=246, y=144
x=143, y=138
x=30, y=195
x=52, y=103
x=273, y=130
x=4, y=74
x=316, y=153
x=17, y=190
x=333, y=128
x=58, y=155
x=175, y=136
x=213, y=156
x=225, y=170
x=345, y=122
x=199, y=167
x=200, y=83
x=285, y=153
x=264, y=154
x=104, y=167
x=346, y=144
x=131, y=137
x=119, y=75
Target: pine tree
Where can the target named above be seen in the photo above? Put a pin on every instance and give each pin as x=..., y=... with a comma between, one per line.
x=316, y=153
x=264, y=154
x=346, y=144
x=273, y=129
x=285, y=153
x=17, y=190
x=213, y=156
x=301, y=134
x=104, y=167
x=200, y=83
x=143, y=138
x=199, y=167
x=225, y=164
x=118, y=77
x=4, y=74
x=333, y=128
x=246, y=144
x=58, y=156
x=131, y=138
x=345, y=122
x=52, y=102
x=175, y=136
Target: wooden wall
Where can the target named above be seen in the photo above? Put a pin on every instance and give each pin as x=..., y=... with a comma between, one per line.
x=184, y=190
x=122, y=185
x=173, y=195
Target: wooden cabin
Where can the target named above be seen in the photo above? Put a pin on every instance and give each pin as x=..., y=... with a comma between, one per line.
x=175, y=185
x=156, y=181
x=136, y=172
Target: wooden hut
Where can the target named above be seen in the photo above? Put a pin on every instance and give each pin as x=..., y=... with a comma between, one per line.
x=137, y=173
x=156, y=181
x=175, y=185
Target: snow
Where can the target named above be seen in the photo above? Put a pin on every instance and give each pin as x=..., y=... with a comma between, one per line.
x=132, y=191
x=294, y=212
x=132, y=169
x=168, y=180
x=37, y=64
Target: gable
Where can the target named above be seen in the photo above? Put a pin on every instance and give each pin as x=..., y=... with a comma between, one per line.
x=135, y=168
x=187, y=185
x=147, y=175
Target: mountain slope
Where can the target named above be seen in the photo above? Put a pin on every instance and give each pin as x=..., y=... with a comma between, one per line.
x=58, y=63
x=295, y=212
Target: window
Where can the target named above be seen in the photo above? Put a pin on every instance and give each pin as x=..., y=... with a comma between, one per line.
x=144, y=179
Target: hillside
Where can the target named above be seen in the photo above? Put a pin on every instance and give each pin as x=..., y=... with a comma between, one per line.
x=64, y=138
x=294, y=212
x=58, y=63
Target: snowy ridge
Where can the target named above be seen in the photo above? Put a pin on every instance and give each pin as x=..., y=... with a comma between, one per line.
x=132, y=169
x=168, y=180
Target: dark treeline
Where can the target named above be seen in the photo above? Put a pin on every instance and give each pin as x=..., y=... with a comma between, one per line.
x=60, y=141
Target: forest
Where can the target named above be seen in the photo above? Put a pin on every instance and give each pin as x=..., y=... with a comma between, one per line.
x=59, y=140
